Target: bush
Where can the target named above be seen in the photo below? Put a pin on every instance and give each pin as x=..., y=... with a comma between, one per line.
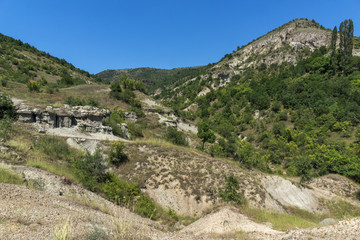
x=6, y=128
x=145, y=207
x=135, y=130
x=74, y=101
x=116, y=117
x=7, y=109
x=3, y=82
x=91, y=170
x=283, y=116
x=229, y=193
x=33, y=86
x=117, y=155
x=120, y=191
x=276, y=106
x=176, y=137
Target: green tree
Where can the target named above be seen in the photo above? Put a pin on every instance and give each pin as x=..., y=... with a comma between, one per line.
x=346, y=41
x=117, y=155
x=175, y=136
x=333, y=45
x=7, y=109
x=205, y=133
x=230, y=192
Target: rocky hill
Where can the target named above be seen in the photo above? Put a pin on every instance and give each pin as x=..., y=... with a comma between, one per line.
x=288, y=43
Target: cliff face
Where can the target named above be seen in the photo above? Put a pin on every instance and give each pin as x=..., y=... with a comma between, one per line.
x=87, y=118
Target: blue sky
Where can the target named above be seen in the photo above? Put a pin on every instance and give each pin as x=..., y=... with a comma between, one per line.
x=100, y=35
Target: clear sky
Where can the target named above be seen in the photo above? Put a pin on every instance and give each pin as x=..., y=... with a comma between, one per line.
x=109, y=34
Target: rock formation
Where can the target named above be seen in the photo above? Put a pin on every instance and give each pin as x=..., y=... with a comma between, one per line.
x=86, y=118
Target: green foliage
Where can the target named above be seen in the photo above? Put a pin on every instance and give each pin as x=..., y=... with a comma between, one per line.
x=6, y=128
x=244, y=154
x=56, y=148
x=145, y=207
x=74, y=101
x=67, y=80
x=33, y=86
x=116, y=117
x=8, y=176
x=176, y=137
x=7, y=109
x=230, y=192
x=117, y=155
x=136, y=130
x=120, y=191
x=205, y=133
x=3, y=82
x=91, y=170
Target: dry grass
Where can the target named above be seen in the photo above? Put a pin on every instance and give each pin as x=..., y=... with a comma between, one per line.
x=92, y=204
x=63, y=231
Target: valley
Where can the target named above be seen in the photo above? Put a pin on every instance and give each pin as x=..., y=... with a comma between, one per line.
x=263, y=144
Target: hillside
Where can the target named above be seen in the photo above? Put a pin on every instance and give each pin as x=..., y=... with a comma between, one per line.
x=21, y=62
x=261, y=145
x=154, y=78
x=288, y=43
x=284, y=114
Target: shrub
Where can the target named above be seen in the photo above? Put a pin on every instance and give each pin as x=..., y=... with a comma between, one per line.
x=230, y=192
x=117, y=155
x=7, y=109
x=33, y=85
x=74, y=101
x=176, y=137
x=120, y=191
x=116, y=117
x=90, y=170
x=5, y=128
x=276, y=106
x=145, y=207
x=279, y=129
x=283, y=116
x=3, y=82
x=135, y=130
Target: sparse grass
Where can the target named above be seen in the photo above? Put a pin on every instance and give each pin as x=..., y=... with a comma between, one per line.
x=341, y=209
x=283, y=221
x=59, y=168
x=9, y=176
x=120, y=230
x=63, y=231
x=92, y=204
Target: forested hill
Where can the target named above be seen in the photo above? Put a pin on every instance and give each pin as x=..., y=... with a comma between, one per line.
x=21, y=62
x=154, y=78
x=300, y=118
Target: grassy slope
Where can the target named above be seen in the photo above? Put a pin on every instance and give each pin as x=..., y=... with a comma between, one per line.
x=21, y=62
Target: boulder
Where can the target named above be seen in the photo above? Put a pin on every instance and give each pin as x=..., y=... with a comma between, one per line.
x=125, y=129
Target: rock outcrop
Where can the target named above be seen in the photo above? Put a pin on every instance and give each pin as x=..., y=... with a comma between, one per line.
x=86, y=118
